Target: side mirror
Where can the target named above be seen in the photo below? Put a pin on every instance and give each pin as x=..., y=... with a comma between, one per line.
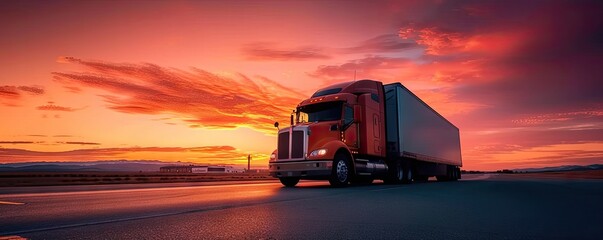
x=276, y=125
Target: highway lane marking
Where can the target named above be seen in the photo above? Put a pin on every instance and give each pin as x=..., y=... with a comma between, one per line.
x=11, y=203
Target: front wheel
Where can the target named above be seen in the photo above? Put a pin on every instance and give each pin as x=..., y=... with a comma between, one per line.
x=289, y=182
x=342, y=172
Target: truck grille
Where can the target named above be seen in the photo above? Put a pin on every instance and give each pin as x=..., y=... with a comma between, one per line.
x=283, y=145
x=296, y=148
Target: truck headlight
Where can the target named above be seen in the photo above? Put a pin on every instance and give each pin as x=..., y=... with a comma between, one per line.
x=272, y=156
x=318, y=152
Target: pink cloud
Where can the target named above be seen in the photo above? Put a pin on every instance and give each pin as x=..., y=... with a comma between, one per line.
x=367, y=66
x=268, y=52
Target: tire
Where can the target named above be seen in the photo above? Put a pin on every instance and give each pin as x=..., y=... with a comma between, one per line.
x=449, y=175
x=342, y=172
x=289, y=181
x=455, y=175
x=408, y=175
x=396, y=174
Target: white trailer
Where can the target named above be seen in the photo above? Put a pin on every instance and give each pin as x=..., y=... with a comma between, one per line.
x=418, y=134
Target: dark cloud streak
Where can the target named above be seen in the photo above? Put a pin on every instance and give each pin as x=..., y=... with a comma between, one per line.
x=79, y=143
x=380, y=44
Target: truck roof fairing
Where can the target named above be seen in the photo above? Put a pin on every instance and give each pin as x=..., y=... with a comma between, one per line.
x=353, y=87
x=346, y=97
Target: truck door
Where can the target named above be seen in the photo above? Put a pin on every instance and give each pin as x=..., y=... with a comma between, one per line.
x=371, y=131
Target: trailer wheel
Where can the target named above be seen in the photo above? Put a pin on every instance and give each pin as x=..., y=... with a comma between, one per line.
x=289, y=181
x=455, y=174
x=408, y=176
x=342, y=172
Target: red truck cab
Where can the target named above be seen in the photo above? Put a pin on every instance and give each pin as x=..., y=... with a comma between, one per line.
x=335, y=128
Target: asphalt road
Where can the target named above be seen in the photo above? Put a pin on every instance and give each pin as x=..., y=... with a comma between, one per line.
x=478, y=207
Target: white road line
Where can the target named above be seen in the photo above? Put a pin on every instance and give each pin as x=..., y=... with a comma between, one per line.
x=11, y=203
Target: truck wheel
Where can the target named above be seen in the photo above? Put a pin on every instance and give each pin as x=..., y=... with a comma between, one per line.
x=456, y=174
x=396, y=174
x=408, y=176
x=289, y=181
x=341, y=173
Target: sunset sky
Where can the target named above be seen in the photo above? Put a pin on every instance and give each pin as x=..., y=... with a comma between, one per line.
x=203, y=81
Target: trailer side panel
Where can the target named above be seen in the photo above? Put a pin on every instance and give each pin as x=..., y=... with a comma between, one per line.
x=417, y=131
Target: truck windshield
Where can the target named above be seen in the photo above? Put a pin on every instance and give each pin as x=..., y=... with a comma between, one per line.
x=329, y=111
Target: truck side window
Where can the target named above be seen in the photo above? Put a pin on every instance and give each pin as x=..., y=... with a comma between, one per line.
x=375, y=97
x=348, y=115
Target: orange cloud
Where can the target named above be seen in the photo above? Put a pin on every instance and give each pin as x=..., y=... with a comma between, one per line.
x=437, y=42
x=206, y=99
x=52, y=107
x=440, y=43
x=9, y=94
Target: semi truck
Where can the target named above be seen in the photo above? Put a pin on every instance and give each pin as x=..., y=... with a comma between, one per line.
x=356, y=132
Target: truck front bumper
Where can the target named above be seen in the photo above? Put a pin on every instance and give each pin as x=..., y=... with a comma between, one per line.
x=317, y=169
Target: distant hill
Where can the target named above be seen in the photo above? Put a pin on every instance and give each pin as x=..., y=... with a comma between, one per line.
x=105, y=166
x=561, y=168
